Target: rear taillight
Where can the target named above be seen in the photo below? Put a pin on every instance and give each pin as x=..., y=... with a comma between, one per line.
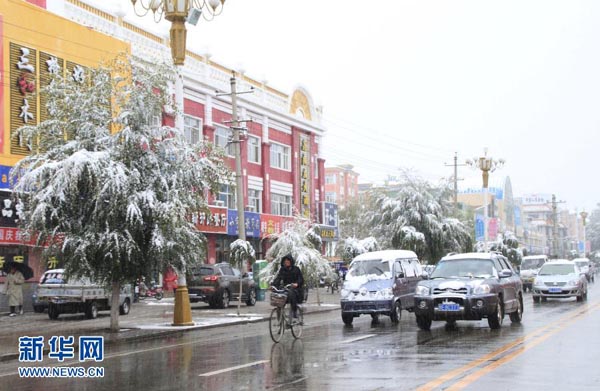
x=211, y=278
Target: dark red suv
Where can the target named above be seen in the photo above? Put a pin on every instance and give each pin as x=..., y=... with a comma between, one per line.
x=219, y=284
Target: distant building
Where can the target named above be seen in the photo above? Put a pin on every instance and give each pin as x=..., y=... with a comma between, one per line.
x=341, y=184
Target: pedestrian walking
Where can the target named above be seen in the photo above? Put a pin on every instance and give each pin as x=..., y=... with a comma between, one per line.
x=14, y=290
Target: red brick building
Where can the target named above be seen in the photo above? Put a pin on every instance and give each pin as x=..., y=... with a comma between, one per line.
x=341, y=184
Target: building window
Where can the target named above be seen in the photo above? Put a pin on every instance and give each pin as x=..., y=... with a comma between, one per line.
x=222, y=140
x=330, y=197
x=280, y=156
x=281, y=205
x=253, y=149
x=255, y=200
x=192, y=129
x=330, y=179
x=227, y=196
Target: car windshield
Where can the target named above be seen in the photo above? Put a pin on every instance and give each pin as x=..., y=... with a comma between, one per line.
x=582, y=264
x=204, y=271
x=464, y=268
x=365, y=268
x=550, y=270
x=534, y=263
x=53, y=278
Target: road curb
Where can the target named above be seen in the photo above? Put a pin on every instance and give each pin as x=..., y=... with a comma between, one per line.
x=154, y=334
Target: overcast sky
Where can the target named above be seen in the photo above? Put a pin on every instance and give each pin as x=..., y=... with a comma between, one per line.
x=405, y=84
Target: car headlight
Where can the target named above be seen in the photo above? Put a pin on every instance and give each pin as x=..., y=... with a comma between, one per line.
x=344, y=293
x=573, y=282
x=422, y=290
x=481, y=289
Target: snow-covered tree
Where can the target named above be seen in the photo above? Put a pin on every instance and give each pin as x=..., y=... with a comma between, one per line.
x=298, y=241
x=242, y=253
x=592, y=229
x=117, y=189
x=417, y=218
x=351, y=247
x=507, y=244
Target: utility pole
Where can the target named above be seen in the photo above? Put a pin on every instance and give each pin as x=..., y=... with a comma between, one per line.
x=456, y=165
x=237, y=151
x=555, y=225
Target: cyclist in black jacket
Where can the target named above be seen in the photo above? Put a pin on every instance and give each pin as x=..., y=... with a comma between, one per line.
x=290, y=274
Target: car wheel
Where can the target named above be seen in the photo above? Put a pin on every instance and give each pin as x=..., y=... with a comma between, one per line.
x=53, y=311
x=158, y=296
x=424, y=322
x=224, y=299
x=124, y=308
x=38, y=309
x=375, y=318
x=396, y=313
x=91, y=311
x=251, y=297
x=495, y=319
x=348, y=319
x=516, y=316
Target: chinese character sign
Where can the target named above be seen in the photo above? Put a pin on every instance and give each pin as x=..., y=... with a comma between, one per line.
x=213, y=221
x=305, y=176
x=251, y=220
x=330, y=214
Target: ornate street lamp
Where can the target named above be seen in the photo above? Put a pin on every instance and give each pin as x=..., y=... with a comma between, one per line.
x=486, y=164
x=178, y=12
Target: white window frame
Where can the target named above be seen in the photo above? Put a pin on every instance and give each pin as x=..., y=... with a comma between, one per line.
x=330, y=179
x=186, y=127
x=330, y=196
x=281, y=205
x=227, y=196
x=251, y=146
x=287, y=157
x=255, y=200
x=228, y=147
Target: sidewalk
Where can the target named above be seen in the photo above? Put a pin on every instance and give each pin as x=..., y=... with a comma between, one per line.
x=147, y=319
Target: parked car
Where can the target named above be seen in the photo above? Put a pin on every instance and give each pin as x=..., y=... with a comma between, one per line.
x=380, y=283
x=560, y=278
x=470, y=286
x=218, y=284
x=78, y=295
x=530, y=267
x=586, y=267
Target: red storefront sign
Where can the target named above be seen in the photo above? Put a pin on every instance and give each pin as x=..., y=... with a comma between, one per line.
x=213, y=222
x=273, y=224
x=15, y=236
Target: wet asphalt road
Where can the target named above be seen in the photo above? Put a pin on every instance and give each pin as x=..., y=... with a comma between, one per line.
x=557, y=347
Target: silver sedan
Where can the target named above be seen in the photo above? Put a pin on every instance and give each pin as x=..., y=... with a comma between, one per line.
x=559, y=279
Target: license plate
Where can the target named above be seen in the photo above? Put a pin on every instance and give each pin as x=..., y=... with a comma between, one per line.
x=449, y=307
x=555, y=290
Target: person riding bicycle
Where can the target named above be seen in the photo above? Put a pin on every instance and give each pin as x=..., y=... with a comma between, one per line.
x=290, y=274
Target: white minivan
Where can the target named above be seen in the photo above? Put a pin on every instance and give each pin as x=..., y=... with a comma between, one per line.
x=380, y=283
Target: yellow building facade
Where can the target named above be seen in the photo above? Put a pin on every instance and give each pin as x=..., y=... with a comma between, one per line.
x=35, y=44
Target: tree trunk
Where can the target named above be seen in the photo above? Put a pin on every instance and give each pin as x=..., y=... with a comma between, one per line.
x=240, y=294
x=318, y=296
x=114, y=306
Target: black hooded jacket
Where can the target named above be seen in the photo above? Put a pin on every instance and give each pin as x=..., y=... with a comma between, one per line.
x=285, y=276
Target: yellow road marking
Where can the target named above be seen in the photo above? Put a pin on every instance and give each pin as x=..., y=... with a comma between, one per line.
x=473, y=364
x=509, y=357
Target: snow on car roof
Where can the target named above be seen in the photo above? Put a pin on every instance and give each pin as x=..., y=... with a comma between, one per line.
x=385, y=254
x=560, y=261
x=581, y=260
x=468, y=256
x=535, y=257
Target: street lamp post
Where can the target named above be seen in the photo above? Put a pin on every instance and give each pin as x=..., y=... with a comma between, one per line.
x=584, y=216
x=486, y=165
x=178, y=12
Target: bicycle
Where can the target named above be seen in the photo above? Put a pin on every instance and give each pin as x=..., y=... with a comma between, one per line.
x=281, y=316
